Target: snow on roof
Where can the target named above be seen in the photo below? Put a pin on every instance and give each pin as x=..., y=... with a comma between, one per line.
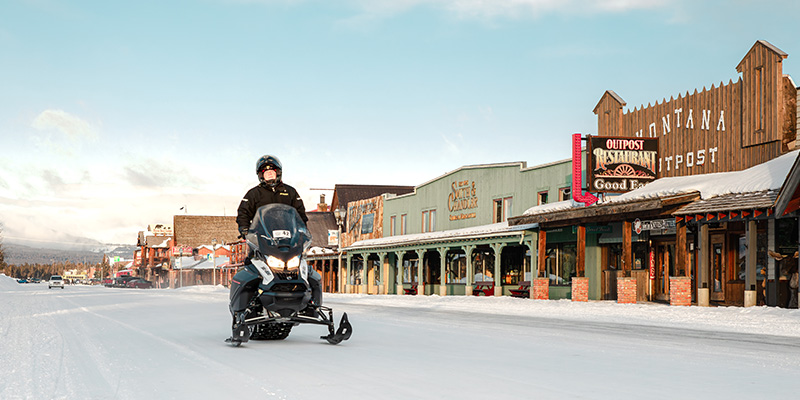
x=551, y=207
x=497, y=229
x=316, y=250
x=766, y=176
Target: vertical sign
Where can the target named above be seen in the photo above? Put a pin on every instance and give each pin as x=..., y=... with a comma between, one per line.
x=652, y=265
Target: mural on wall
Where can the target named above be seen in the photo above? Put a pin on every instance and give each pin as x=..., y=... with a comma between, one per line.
x=364, y=220
x=462, y=199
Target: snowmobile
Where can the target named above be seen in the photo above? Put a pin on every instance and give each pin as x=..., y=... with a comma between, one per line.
x=271, y=293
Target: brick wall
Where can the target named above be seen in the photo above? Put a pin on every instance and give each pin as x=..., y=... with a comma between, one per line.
x=626, y=290
x=580, y=289
x=541, y=289
x=680, y=291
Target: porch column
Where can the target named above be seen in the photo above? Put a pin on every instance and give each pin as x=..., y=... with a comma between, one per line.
x=364, y=289
x=470, y=278
x=540, y=284
x=773, y=274
x=442, y=271
x=348, y=275
x=703, y=254
x=420, y=268
x=498, y=283
x=580, y=283
x=750, y=281
x=398, y=261
x=383, y=288
x=627, y=247
x=532, y=245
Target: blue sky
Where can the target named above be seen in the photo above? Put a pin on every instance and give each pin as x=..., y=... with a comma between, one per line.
x=113, y=115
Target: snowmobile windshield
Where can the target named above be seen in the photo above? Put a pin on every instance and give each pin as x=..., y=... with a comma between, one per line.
x=279, y=231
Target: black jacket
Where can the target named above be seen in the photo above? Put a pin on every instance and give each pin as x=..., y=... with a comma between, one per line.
x=262, y=195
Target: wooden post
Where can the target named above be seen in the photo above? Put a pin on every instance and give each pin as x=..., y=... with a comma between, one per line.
x=627, y=247
x=542, y=252
x=497, y=248
x=750, y=282
x=442, y=271
x=580, y=264
x=703, y=256
x=680, y=250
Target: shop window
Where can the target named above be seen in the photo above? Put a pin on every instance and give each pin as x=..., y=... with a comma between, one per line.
x=393, y=225
x=514, y=265
x=560, y=263
x=429, y=221
x=456, y=267
x=542, y=198
x=483, y=265
x=403, y=218
x=410, y=270
x=356, y=271
x=498, y=211
x=564, y=193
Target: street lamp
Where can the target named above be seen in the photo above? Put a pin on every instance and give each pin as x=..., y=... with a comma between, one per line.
x=340, y=214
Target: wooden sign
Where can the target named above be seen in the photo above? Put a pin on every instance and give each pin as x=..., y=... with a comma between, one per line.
x=621, y=164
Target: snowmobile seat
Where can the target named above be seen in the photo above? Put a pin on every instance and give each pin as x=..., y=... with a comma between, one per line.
x=412, y=291
x=483, y=288
x=524, y=290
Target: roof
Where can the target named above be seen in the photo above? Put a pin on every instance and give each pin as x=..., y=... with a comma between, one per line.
x=156, y=242
x=343, y=194
x=613, y=95
x=197, y=230
x=318, y=224
x=475, y=232
x=771, y=47
x=732, y=201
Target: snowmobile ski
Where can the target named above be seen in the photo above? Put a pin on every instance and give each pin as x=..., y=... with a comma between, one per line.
x=342, y=334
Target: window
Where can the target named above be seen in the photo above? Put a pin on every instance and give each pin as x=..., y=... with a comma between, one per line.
x=367, y=222
x=410, y=270
x=429, y=221
x=542, y=198
x=456, y=268
x=393, y=225
x=403, y=223
x=560, y=263
x=515, y=265
x=483, y=265
x=502, y=209
x=564, y=194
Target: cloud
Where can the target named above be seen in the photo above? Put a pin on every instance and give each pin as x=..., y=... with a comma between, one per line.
x=156, y=174
x=66, y=123
x=483, y=9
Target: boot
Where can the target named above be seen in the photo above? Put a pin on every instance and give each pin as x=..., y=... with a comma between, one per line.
x=240, y=331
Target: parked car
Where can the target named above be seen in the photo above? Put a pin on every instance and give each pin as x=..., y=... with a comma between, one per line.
x=139, y=283
x=108, y=282
x=22, y=280
x=55, y=281
x=122, y=281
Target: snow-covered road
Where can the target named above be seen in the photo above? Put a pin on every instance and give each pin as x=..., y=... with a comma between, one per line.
x=100, y=343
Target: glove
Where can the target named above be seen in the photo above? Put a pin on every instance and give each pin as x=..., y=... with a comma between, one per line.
x=242, y=232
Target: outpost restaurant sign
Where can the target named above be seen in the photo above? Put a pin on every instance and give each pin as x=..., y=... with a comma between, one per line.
x=462, y=199
x=621, y=164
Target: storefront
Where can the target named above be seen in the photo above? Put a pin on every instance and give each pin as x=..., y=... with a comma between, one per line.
x=450, y=236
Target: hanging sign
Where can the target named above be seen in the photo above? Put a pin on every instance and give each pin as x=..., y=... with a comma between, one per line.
x=652, y=265
x=621, y=164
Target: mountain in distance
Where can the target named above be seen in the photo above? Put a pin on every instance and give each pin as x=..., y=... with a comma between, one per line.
x=18, y=252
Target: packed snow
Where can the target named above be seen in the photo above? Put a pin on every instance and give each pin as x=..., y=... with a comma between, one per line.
x=92, y=342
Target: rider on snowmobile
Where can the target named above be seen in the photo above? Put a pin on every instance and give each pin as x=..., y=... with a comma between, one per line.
x=271, y=189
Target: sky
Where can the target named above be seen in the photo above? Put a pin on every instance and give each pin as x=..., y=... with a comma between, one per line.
x=92, y=342
x=115, y=115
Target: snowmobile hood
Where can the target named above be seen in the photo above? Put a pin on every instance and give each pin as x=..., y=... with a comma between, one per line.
x=277, y=230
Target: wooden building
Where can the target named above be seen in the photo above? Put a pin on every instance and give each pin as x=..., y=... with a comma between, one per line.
x=684, y=240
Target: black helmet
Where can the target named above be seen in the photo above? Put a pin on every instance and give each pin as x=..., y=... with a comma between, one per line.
x=269, y=161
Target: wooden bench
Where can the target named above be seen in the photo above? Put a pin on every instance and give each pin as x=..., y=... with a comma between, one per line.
x=412, y=291
x=483, y=288
x=524, y=290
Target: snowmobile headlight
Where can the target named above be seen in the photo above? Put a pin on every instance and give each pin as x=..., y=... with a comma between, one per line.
x=293, y=263
x=275, y=262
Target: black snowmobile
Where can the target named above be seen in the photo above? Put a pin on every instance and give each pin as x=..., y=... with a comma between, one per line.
x=272, y=293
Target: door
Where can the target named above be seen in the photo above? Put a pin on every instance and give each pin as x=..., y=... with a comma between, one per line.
x=717, y=264
x=665, y=267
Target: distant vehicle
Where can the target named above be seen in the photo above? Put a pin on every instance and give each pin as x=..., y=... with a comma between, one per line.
x=22, y=280
x=122, y=281
x=35, y=280
x=108, y=282
x=55, y=281
x=139, y=283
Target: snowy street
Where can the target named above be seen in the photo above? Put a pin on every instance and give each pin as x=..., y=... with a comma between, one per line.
x=92, y=342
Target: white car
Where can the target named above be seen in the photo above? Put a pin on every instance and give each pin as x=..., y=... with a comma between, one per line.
x=55, y=281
